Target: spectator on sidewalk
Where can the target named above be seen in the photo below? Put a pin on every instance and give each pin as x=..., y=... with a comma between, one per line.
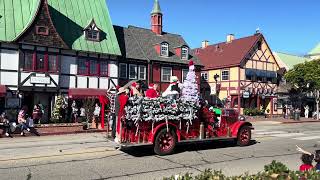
x=74, y=111
x=6, y=124
x=306, y=111
x=307, y=162
x=36, y=114
x=22, y=120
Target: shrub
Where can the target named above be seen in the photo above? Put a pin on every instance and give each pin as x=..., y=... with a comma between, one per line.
x=274, y=170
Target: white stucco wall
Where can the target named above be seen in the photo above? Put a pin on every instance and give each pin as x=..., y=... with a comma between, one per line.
x=104, y=82
x=9, y=78
x=82, y=82
x=93, y=82
x=113, y=69
x=9, y=59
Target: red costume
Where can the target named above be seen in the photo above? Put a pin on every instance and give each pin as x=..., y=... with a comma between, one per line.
x=123, y=99
x=152, y=93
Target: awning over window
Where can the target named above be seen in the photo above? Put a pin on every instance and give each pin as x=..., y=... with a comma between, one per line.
x=86, y=92
x=3, y=90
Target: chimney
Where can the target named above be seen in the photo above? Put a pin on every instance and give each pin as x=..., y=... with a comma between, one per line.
x=230, y=38
x=205, y=44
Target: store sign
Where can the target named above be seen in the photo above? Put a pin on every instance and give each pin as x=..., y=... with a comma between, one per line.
x=246, y=94
x=39, y=80
x=213, y=89
x=13, y=103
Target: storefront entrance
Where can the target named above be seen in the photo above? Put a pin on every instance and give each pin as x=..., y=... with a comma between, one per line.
x=32, y=98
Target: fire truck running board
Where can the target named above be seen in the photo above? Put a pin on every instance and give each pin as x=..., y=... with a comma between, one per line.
x=208, y=139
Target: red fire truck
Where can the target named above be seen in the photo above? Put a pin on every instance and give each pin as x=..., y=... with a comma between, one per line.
x=208, y=125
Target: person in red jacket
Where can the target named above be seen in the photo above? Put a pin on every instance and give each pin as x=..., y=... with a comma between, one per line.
x=307, y=162
x=151, y=92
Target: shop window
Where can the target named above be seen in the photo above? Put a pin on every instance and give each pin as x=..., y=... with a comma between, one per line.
x=166, y=73
x=40, y=62
x=104, y=69
x=184, y=74
x=133, y=71
x=123, y=70
x=225, y=75
x=142, y=72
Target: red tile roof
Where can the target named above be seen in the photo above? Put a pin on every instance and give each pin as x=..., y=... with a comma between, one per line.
x=225, y=54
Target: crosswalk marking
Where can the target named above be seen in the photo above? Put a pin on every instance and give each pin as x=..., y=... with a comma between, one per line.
x=270, y=132
x=307, y=138
x=288, y=134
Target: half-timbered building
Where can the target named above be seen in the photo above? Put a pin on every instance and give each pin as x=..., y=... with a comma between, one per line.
x=48, y=47
x=241, y=71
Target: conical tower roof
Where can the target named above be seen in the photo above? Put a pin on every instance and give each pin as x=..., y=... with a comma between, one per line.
x=156, y=8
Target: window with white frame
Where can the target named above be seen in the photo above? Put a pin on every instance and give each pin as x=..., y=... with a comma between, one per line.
x=164, y=49
x=204, y=76
x=184, y=74
x=184, y=52
x=122, y=70
x=225, y=75
x=166, y=73
x=142, y=72
x=133, y=71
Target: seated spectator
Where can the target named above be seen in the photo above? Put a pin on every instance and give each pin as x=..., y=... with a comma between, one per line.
x=22, y=121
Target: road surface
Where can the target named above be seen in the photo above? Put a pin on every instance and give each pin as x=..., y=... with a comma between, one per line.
x=90, y=156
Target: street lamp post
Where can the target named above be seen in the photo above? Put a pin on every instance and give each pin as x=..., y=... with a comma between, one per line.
x=216, y=76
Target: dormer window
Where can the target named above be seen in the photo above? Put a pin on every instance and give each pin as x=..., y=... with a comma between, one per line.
x=184, y=52
x=164, y=49
x=92, y=32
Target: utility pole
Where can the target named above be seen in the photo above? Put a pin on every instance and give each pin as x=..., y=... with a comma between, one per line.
x=317, y=102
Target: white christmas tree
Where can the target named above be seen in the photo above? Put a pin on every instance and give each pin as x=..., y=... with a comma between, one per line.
x=190, y=88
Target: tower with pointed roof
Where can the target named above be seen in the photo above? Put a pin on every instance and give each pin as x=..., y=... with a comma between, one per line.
x=156, y=18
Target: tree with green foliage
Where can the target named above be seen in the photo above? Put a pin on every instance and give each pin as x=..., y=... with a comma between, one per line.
x=305, y=78
x=56, y=112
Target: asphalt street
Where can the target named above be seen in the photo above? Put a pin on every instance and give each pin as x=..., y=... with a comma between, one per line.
x=91, y=156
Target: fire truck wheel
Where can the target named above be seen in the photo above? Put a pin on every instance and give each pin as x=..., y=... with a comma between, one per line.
x=244, y=136
x=165, y=142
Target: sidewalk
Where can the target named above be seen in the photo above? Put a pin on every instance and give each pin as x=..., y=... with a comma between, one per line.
x=56, y=129
x=281, y=120
x=13, y=149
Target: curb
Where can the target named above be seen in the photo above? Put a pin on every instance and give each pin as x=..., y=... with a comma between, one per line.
x=56, y=133
x=297, y=122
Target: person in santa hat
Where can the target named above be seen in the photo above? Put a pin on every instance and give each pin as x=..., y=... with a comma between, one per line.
x=135, y=89
x=173, y=89
x=151, y=92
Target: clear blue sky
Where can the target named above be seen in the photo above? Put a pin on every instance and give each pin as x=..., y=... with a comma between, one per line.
x=291, y=26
